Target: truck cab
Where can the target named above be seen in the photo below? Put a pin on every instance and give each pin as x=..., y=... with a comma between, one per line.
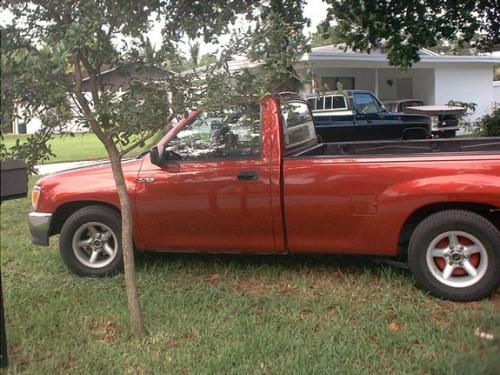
x=359, y=115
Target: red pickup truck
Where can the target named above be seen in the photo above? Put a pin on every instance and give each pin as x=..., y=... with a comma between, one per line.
x=255, y=179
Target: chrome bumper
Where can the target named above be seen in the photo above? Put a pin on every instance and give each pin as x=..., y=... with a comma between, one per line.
x=39, y=224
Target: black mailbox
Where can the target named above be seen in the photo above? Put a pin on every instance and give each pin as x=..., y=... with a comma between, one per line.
x=14, y=184
x=14, y=179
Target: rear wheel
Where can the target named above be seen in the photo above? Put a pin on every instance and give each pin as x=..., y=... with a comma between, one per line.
x=90, y=241
x=456, y=255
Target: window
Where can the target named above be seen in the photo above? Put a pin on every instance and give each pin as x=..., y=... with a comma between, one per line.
x=320, y=103
x=327, y=103
x=339, y=102
x=233, y=134
x=332, y=83
x=298, y=126
x=365, y=103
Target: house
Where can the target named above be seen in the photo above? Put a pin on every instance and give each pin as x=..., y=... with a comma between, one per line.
x=496, y=93
x=435, y=79
x=115, y=78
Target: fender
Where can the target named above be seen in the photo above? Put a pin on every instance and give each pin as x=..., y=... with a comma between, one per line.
x=415, y=194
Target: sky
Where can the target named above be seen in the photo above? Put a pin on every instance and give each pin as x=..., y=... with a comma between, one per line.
x=315, y=10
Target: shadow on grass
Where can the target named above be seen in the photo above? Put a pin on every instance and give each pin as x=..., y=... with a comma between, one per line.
x=291, y=262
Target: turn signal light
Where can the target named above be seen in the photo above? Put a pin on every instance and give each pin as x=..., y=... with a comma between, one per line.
x=35, y=195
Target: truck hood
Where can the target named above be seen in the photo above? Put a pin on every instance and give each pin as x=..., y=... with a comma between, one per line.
x=91, y=183
x=103, y=167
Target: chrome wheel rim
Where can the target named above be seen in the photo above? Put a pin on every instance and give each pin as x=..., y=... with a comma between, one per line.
x=95, y=245
x=457, y=259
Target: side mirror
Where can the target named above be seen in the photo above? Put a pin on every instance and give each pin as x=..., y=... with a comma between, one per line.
x=154, y=155
x=171, y=156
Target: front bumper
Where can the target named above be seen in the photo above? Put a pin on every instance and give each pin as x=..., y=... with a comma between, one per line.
x=39, y=224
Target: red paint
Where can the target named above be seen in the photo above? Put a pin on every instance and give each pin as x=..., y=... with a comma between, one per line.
x=327, y=205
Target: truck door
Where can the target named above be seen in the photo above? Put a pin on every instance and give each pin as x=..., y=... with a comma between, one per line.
x=372, y=121
x=213, y=190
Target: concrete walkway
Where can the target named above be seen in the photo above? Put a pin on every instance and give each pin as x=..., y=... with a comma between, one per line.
x=44, y=169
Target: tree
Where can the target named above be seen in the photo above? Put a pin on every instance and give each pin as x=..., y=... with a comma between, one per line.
x=277, y=41
x=454, y=47
x=52, y=47
x=326, y=37
x=195, y=61
x=194, y=53
x=404, y=27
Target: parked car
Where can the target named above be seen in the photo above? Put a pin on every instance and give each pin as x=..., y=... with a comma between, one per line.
x=357, y=115
x=274, y=188
x=446, y=119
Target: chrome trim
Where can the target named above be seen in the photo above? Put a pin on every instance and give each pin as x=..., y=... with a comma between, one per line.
x=39, y=224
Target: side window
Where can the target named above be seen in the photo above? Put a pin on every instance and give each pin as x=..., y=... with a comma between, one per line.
x=232, y=134
x=339, y=102
x=365, y=103
x=320, y=103
x=298, y=126
x=328, y=102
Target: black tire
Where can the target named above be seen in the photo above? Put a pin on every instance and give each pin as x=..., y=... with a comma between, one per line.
x=455, y=221
x=415, y=133
x=91, y=214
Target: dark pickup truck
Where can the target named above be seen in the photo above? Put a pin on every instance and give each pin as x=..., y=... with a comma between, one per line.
x=359, y=115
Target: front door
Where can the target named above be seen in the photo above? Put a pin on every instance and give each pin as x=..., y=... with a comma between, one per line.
x=371, y=120
x=214, y=191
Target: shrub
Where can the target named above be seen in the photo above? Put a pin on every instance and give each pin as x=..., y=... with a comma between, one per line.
x=489, y=125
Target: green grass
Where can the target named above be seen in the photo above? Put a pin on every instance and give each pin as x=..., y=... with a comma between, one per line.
x=209, y=314
x=83, y=146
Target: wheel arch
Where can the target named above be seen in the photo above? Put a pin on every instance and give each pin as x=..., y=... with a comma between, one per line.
x=489, y=212
x=64, y=211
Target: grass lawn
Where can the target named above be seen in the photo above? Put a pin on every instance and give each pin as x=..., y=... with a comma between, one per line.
x=210, y=314
x=83, y=146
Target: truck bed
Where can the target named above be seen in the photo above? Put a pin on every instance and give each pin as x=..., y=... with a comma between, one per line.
x=423, y=146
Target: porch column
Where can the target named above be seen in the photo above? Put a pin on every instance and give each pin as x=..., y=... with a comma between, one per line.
x=376, y=81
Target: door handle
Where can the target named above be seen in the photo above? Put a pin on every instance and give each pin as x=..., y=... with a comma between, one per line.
x=248, y=175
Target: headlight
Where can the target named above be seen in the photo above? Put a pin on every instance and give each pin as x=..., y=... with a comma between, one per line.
x=35, y=196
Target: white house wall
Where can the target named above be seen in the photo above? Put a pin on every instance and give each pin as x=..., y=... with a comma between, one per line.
x=471, y=83
x=496, y=93
x=364, y=79
x=423, y=84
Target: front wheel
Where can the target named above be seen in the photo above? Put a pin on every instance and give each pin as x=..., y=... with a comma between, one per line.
x=90, y=241
x=456, y=255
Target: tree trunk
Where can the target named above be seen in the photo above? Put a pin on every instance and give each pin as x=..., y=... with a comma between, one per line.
x=127, y=241
x=121, y=187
